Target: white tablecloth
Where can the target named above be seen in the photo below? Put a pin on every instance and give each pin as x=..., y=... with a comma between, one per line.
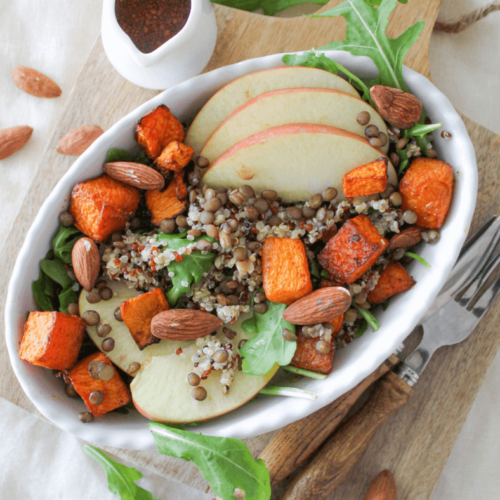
x=39, y=461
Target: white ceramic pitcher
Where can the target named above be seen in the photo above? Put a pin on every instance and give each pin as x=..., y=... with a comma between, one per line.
x=183, y=56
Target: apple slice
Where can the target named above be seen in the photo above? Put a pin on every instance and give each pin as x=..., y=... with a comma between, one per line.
x=239, y=91
x=161, y=392
x=297, y=160
x=125, y=350
x=281, y=107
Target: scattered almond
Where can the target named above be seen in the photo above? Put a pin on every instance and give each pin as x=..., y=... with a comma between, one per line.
x=184, y=324
x=399, y=108
x=13, y=139
x=86, y=262
x=74, y=143
x=135, y=174
x=35, y=83
x=383, y=487
x=319, y=307
x=407, y=238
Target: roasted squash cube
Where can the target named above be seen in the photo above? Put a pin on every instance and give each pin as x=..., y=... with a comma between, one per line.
x=175, y=156
x=366, y=180
x=138, y=312
x=337, y=324
x=427, y=189
x=394, y=279
x=285, y=270
x=115, y=391
x=164, y=204
x=52, y=339
x=157, y=129
x=102, y=205
x=353, y=250
x=308, y=358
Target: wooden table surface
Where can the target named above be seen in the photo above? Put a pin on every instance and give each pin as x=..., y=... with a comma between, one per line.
x=416, y=441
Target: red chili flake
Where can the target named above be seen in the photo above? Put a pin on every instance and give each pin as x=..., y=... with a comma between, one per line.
x=178, y=351
x=178, y=258
x=154, y=249
x=274, y=209
x=141, y=248
x=301, y=225
x=205, y=375
x=188, y=251
x=132, y=273
x=254, y=230
x=117, y=262
x=309, y=227
x=233, y=321
x=134, y=246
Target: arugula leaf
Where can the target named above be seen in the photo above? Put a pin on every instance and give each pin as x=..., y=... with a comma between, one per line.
x=63, y=242
x=313, y=60
x=226, y=463
x=368, y=316
x=366, y=36
x=56, y=271
x=66, y=297
x=191, y=269
x=118, y=155
x=421, y=130
x=121, y=479
x=270, y=7
x=362, y=329
x=268, y=347
x=419, y=258
x=44, y=293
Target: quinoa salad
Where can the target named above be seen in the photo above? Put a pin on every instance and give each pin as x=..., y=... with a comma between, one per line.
x=178, y=275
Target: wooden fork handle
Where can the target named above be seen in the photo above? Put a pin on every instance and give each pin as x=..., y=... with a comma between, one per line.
x=342, y=451
x=297, y=441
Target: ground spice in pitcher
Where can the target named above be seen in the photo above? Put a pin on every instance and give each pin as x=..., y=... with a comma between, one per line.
x=150, y=23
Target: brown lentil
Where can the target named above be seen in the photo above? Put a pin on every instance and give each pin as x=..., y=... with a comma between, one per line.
x=96, y=397
x=199, y=393
x=230, y=334
x=118, y=244
x=194, y=232
x=202, y=162
x=103, y=329
x=329, y=194
x=135, y=223
x=193, y=379
x=394, y=159
x=133, y=367
x=260, y=308
x=262, y=205
x=321, y=214
x=108, y=344
x=247, y=192
x=221, y=300
x=85, y=417
x=322, y=347
x=105, y=293
x=350, y=316
x=401, y=143
x=308, y=212
x=118, y=314
x=116, y=236
x=222, y=198
x=275, y=221
x=91, y=318
x=294, y=213
x=221, y=356
x=383, y=138
x=372, y=131
x=376, y=142
x=192, y=196
x=66, y=219
x=315, y=201
x=240, y=254
x=236, y=199
x=251, y=212
x=288, y=335
x=194, y=178
x=363, y=118
x=260, y=297
x=212, y=205
x=431, y=153
x=241, y=343
x=269, y=194
x=73, y=309
x=70, y=391
x=167, y=226
x=398, y=254
x=396, y=199
x=410, y=217
x=181, y=221
x=204, y=245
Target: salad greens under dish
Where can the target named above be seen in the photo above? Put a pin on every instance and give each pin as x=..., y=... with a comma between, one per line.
x=199, y=270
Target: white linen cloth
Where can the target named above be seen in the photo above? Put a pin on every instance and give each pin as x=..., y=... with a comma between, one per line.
x=38, y=461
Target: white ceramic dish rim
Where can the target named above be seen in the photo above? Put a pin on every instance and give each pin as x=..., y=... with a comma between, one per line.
x=261, y=414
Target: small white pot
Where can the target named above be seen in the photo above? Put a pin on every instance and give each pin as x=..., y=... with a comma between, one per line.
x=183, y=56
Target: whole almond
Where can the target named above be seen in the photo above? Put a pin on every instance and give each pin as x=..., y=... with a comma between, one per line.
x=13, y=139
x=35, y=83
x=399, y=108
x=184, y=324
x=86, y=262
x=319, y=307
x=74, y=143
x=135, y=174
x=383, y=487
x=407, y=238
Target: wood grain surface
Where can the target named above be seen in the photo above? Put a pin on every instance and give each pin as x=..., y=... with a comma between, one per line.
x=415, y=442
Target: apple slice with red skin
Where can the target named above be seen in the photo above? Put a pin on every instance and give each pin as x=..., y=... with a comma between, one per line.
x=239, y=91
x=285, y=106
x=296, y=160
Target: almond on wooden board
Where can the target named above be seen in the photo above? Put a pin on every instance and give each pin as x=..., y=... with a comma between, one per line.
x=86, y=262
x=135, y=174
x=184, y=324
x=35, y=83
x=399, y=108
x=407, y=238
x=383, y=487
x=13, y=139
x=75, y=142
x=319, y=306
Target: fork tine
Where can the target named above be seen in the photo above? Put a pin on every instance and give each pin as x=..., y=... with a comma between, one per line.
x=483, y=304
x=478, y=234
x=481, y=279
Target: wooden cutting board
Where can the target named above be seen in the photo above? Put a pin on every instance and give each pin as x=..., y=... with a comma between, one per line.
x=415, y=442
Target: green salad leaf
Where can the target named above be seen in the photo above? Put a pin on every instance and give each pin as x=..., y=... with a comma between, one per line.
x=121, y=479
x=191, y=269
x=67, y=297
x=44, y=293
x=226, y=463
x=270, y=7
x=366, y=36
x=56, y=271
x=368, y=317
x=312, y=59
x=268, y=346
x=124, y=155
x=63, y=242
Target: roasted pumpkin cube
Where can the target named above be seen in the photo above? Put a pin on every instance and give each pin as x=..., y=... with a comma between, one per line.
x=102, y=205
x=308, y=358
x=353, y=250
x=138, y=312
x=394, y=279
x=427, y=189
x=157, y=129
x=337, y=324
x=285, y=270
x=164, y=204
x=366, y=180
x=175, y=156
x=115, y=391
x=52, y=339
